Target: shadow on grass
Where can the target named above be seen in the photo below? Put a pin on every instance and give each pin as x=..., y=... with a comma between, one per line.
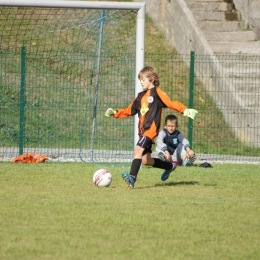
x=177, y=183
x=170, y=184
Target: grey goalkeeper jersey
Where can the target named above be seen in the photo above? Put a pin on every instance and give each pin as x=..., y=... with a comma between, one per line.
x=166, y=141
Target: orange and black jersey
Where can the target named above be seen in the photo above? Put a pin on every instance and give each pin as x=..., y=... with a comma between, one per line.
x=148, y=105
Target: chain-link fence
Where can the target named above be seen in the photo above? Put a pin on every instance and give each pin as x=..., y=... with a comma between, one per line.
x=225, y=89
x=52, y=112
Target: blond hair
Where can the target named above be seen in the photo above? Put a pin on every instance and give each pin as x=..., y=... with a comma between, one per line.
x=150, y=73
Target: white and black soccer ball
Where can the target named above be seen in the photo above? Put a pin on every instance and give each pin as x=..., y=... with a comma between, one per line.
x=102, y=178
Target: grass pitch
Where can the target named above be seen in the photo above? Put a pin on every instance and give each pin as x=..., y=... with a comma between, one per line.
x=53, y=211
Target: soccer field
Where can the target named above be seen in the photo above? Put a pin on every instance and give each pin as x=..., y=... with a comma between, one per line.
x=53, y=211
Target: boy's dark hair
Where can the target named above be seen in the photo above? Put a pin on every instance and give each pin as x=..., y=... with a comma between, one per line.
x=150, y=73
x=171, y=118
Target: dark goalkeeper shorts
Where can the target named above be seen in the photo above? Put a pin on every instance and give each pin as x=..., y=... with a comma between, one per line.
x=146, y=143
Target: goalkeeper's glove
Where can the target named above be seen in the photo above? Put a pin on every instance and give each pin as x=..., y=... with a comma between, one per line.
x=189, y=112
x=110, y=112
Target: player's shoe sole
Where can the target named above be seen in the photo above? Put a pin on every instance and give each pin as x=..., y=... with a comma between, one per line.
x=161, y=156
x=128, y=180
x=167, y=173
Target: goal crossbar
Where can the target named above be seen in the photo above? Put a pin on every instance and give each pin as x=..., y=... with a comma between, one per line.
x=78, y=4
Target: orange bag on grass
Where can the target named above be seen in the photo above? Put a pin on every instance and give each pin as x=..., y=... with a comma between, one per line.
x=30, y=158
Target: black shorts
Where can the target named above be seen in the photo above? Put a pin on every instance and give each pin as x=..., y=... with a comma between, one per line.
x=146, y=143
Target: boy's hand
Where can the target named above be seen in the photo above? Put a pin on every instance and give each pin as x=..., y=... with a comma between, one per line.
x=168, y=156
x=110, y=112
x=190, y=153
x=191, y=113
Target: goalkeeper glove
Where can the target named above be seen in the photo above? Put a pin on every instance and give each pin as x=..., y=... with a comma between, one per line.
x=110, y=112
x=189, y=112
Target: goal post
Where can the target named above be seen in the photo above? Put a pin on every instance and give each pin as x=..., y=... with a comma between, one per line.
x=79, y=54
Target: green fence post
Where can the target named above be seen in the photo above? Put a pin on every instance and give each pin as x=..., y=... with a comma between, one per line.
x=191, y=97
x=22, y=100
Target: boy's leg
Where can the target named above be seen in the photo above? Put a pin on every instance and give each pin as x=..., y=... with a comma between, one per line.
x=184, y=158
x=176, y=157
x=169, y=167
x=158, y=163
x=131, y=178
x=155, y=162
x=136, y=164
x=188, y=161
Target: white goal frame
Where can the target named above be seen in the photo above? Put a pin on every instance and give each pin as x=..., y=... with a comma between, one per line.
x=140, y=26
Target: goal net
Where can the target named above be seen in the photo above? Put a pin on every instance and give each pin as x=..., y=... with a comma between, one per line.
x=63, y=63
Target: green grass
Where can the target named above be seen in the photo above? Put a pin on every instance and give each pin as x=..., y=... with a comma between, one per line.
x=53, y=211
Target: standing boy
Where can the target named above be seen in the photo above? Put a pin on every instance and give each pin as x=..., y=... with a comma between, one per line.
x=148, y=105
x=171, y=144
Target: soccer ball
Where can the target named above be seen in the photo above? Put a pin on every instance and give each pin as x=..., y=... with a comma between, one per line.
x=102, y=178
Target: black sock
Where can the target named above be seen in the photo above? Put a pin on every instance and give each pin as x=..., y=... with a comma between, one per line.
x=162, y=164
x=136, y=164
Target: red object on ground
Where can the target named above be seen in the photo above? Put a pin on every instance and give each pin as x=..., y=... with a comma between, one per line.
x=30, y=158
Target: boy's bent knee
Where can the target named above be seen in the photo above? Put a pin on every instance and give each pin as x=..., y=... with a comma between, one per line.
x=148, y=162
x=144, y=162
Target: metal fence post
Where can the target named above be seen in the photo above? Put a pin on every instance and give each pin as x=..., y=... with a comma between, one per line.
x=22, y=101
x=191, y=96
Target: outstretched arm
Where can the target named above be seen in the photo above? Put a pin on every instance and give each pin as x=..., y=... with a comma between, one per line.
x=176, y=105
x=110, y=112
x=131, y=110
x=191, y=113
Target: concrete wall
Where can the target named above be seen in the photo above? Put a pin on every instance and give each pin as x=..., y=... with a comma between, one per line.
x=174, y=19
x=250, y=12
